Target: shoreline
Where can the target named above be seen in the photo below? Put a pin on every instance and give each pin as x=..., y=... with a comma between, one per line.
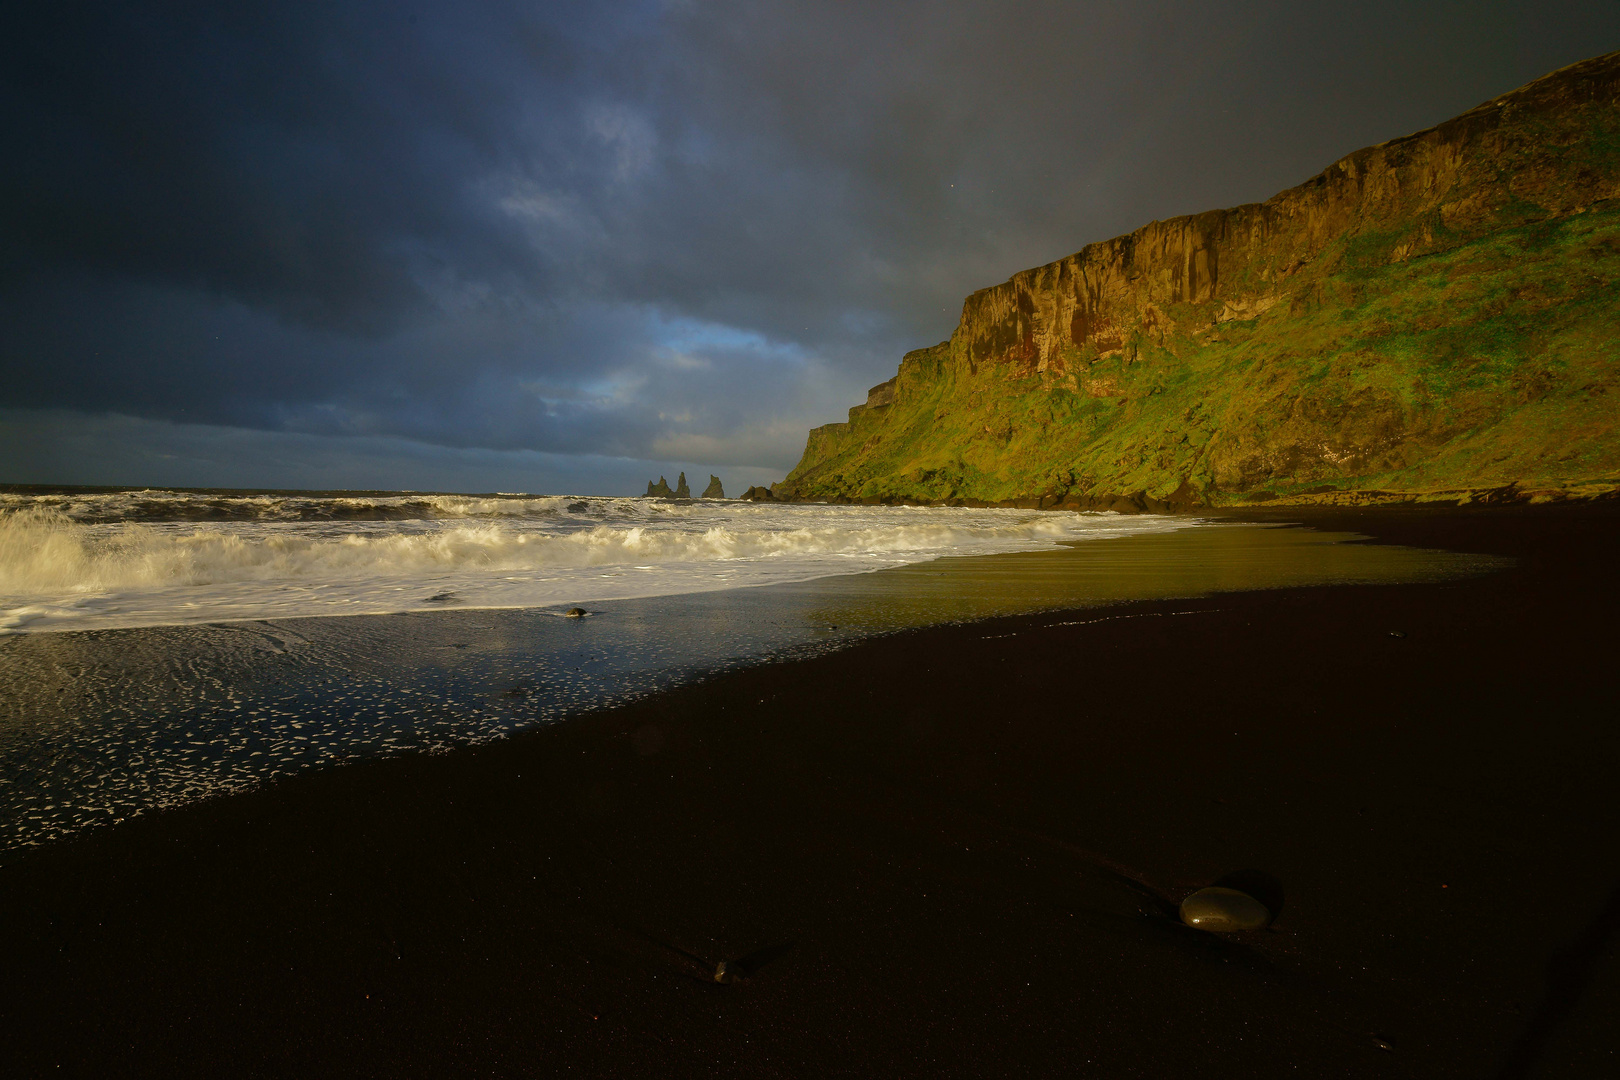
x=953, y=845
x=180, y=713
x=1185, y=501
x=167, y=558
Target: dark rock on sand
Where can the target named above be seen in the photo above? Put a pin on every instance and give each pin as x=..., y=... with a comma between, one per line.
x=1224, y=911
x=575, y=613
x=728, y=971
x=714, y=490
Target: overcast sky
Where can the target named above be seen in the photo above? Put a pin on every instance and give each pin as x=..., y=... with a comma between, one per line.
x=564, y=247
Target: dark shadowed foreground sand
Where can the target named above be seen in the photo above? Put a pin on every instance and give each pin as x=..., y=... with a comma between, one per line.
x=947, y=852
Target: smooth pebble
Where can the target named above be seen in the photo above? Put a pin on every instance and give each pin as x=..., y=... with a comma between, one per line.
x=1224, y=911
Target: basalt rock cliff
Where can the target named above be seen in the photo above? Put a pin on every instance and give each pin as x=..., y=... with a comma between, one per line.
x=1434, y=317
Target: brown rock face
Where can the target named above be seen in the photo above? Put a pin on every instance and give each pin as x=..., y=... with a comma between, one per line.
x=1433, y=312
x=1237, y=263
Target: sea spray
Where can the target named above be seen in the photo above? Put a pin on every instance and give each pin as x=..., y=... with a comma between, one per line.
x=78, y=561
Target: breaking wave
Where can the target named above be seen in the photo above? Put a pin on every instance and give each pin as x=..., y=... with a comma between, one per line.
x=70, y=562
x=153, y=505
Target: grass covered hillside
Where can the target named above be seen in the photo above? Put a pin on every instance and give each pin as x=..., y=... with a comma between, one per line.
x=1435, y=317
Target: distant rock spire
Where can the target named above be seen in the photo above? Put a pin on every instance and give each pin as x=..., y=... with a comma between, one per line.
x=681, y=490
x=714, y=490
x=659, y=490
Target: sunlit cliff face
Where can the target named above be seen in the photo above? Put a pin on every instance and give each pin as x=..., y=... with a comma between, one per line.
x=1426, y=318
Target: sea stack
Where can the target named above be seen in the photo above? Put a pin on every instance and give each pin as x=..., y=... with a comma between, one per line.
x=714, y=490
x=681, y=490
x=659, y=490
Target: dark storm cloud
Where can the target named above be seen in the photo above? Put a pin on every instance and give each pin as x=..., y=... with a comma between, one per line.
x=309, y=157
x=650, y=230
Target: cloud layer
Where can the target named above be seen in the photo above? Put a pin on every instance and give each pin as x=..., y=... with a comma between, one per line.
x=648, y=231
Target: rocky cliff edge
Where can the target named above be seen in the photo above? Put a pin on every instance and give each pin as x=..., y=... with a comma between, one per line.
x=1432, y=317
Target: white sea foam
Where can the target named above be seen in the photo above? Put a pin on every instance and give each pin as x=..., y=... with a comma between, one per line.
x=147, y=558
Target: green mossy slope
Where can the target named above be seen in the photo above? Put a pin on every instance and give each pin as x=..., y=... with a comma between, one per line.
x=1457, y=340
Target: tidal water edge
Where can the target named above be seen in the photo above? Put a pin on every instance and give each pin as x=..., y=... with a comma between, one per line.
x=100, y=725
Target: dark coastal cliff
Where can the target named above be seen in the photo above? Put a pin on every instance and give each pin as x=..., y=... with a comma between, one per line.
x=1433, y=317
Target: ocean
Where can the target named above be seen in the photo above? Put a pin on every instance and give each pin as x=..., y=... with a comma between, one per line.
x=161, y=647
x=74, y=560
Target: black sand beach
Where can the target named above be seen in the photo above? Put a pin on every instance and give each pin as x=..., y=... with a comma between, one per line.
x=946, y=852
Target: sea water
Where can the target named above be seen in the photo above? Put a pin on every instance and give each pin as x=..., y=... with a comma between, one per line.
x=166, y=647
x=96, y=560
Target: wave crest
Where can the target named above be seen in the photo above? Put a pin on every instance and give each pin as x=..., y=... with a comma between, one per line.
x=43, y=550
x=57, y=572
